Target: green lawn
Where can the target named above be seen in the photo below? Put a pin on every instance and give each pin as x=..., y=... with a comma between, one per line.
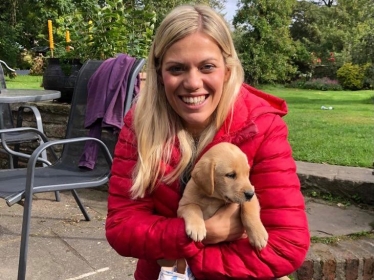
x=26, y=81
x=342, y=136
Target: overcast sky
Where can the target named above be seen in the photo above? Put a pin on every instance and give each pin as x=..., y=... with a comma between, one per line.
x=230, y=9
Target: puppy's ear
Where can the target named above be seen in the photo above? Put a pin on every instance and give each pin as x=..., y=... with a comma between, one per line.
x=203, y=175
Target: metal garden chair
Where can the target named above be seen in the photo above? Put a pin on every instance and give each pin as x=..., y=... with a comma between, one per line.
x=19, y=185
x=6, y=121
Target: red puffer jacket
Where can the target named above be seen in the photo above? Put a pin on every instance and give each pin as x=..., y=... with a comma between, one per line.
x=148, y=228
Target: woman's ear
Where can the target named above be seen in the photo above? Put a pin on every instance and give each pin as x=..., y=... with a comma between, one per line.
x=227, y=74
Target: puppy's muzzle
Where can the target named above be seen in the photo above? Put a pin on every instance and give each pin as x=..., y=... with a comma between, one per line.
x=248, y=195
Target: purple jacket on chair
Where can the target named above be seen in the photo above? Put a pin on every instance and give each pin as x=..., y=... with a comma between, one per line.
x=106, y=101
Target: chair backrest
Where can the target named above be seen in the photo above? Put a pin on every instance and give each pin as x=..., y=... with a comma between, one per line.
x=75, y=127
x=2, y=77
x=6, y=120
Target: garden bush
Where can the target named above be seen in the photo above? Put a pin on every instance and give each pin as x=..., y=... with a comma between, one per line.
x=369, y=77
x=25, y=59
x=316, y=84
x=38, y=66
x=352, y=76
x=299, y=83
x=323, y=84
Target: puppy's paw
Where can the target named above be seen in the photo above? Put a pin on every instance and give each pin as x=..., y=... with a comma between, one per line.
x=196, y=230
x=258, y=237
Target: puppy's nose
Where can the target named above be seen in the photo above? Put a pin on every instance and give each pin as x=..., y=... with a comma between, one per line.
x=248, y=194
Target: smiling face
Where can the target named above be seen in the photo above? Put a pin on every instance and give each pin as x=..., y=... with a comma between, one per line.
x=193, y=74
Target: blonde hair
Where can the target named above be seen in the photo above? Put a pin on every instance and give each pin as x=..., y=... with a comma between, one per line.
x=156, y=124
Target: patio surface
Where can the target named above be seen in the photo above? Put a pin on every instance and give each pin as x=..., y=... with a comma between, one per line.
x=65, y=247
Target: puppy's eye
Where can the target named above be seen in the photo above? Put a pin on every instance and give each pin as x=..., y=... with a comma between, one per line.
x=231, y=175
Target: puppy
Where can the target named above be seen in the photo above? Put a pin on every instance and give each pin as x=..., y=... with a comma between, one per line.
x=221, y=176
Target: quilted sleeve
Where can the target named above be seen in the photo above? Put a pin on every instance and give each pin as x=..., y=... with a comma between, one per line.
x=132, y=228
x=273, y=174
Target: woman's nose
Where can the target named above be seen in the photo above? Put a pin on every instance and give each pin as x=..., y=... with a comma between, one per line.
x=193, y=80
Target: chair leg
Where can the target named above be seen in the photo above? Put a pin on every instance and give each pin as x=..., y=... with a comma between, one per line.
x=24, y=237
x=11, y=164
x=15, y=158
x=57, y=196
x=80, y=204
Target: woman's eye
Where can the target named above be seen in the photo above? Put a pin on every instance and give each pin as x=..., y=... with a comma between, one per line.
x=175, y=69
x=231, y=175
x=208, y=67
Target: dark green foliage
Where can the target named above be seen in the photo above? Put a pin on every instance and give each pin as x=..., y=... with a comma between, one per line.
x=104, y=31
x=9, y=49
x=263, y=40
x=302, y=59
x=369, y=77
x=321, y=71
x=25, y=59
x=363, y=51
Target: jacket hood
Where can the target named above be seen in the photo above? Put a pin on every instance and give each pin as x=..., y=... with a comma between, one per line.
x=240, y=124
x=250, y=104
x=278, y=105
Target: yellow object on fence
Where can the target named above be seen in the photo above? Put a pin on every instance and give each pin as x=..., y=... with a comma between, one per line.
x=67, y=36
x=50, y=33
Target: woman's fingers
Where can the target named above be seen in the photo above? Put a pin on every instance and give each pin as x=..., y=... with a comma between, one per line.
x=224, y=225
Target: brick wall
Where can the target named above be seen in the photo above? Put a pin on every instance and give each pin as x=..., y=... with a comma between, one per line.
x=345, y=260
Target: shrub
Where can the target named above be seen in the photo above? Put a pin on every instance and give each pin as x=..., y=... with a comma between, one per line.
x=299, y=83
x=352, y=76
x=38, y=66
x=323, y=84
x=25, y=60
x=317, y=84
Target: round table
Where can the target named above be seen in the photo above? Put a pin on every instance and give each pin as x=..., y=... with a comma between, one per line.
x=27, y=95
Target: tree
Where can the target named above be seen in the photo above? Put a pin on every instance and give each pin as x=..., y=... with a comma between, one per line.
x=327, y=3
x=263, y=39
x=318, y=28
x=340, y=28
x=163, y=7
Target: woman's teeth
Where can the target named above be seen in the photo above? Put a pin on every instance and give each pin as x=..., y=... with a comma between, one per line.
x=194, y=100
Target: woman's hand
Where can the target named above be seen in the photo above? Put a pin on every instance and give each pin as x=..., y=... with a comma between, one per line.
x=224, y=225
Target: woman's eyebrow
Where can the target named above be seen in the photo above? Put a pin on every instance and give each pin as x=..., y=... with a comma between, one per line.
x=210, y=59
x=173, y=62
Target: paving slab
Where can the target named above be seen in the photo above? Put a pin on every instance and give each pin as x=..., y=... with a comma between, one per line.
x=335, y=219
x=62, y=244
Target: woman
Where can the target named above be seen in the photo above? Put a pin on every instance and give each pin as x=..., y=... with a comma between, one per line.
x=194, y=98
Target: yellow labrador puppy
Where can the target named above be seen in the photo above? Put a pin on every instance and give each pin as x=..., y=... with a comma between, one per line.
x=221, y=176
